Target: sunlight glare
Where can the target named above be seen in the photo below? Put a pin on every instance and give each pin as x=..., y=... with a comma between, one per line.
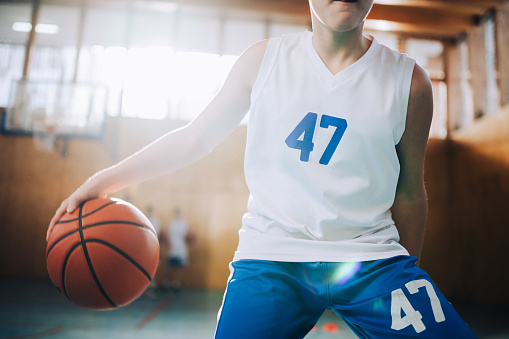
x=160, y=83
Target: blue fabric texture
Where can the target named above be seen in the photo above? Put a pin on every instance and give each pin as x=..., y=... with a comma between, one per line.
x=388, y=298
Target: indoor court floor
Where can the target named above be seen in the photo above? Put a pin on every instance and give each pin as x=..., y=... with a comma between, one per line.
x=35, y=309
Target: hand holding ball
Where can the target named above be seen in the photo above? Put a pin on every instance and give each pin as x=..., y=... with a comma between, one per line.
x=103, y=255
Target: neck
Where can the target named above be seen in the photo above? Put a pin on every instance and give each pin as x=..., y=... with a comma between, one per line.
x=338, y=50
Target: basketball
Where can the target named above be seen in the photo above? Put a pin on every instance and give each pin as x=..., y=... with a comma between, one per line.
x=103, y=255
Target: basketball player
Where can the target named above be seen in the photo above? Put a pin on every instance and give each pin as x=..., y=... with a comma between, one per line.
x=177, y=258
x=156, y=223
x=334, y=163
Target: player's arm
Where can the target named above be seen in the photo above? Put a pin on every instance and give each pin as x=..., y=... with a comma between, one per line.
x=410, y=206
x=183, y=146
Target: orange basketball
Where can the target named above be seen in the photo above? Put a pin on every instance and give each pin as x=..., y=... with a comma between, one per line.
x=103, y=255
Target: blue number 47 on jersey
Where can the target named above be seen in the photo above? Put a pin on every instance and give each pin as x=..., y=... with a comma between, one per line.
x=306, y=128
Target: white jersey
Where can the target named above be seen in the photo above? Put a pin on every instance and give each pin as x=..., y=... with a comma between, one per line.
x=177, y=232
x=321, y=162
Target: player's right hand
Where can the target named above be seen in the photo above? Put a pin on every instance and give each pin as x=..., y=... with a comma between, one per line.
x=70, y=204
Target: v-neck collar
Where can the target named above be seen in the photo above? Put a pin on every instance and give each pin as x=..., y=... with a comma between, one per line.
x=345, y=74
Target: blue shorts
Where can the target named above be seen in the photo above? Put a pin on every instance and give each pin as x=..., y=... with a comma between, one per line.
x=388, y=298
x=176, y=262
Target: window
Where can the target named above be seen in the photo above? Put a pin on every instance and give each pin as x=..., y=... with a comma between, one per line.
x=133, y=62
x=429, y=55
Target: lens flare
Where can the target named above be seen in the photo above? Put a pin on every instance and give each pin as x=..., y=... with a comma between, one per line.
x=344, y=272
x=378, y=305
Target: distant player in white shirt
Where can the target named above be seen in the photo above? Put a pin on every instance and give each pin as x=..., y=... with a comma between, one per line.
x=177, y=257
x=156, y=223
x=334, y=162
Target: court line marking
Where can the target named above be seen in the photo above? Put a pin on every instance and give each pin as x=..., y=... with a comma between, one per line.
x=43, y=334
x=153, y=313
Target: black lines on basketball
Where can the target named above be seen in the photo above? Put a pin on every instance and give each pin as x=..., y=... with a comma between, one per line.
x=102, y=223
x=86, y=215
x=89, y=262
x=95, y=250
x=122, y=253
x=64, y=267
x=113, y=247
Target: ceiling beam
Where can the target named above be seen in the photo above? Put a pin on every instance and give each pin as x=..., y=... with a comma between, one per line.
x=430, y=20
x=447, y=21
x=470, y=5
x=290, y=7
x=410, y=30
x=442, y=18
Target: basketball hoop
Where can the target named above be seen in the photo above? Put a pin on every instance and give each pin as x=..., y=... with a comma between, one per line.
x=44, y=133
x=52, y=113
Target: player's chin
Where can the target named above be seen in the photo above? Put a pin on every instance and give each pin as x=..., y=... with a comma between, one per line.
x=346, y=1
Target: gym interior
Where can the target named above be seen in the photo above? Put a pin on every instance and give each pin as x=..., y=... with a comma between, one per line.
x=85, y=83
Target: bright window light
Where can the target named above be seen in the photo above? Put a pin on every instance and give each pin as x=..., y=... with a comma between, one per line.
x=21, y=26
x=157, y=6
x=97, y=49
x=40, y=28
x=46, y=29
x=380, y=25
x=161, y=83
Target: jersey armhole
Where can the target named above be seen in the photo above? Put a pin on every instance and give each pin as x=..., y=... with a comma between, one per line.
x=266, y=66
x=404, y=95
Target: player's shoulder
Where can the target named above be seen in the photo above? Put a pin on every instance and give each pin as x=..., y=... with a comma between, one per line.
x=420, y=105
x=257, y=50
x=392, y=57
x=249, y=62
x=421, y=83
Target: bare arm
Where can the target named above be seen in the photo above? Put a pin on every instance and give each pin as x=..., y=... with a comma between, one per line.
x=180, y=147
x=410, y=206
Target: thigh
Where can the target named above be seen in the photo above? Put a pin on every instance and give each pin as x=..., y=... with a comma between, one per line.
x=267, y=299
x=393, y=298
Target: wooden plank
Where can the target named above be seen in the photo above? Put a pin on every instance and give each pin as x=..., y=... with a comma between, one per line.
x=453, y=80
x=413, y=31
x=427, y=18
x=477, y=66
x=502, y=27
x=460, y=5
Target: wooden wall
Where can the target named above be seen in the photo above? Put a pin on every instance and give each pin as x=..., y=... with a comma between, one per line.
x=468, y=175
x=211, y=194
x=467, y=179
x=437, y=238
x=480, y=208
